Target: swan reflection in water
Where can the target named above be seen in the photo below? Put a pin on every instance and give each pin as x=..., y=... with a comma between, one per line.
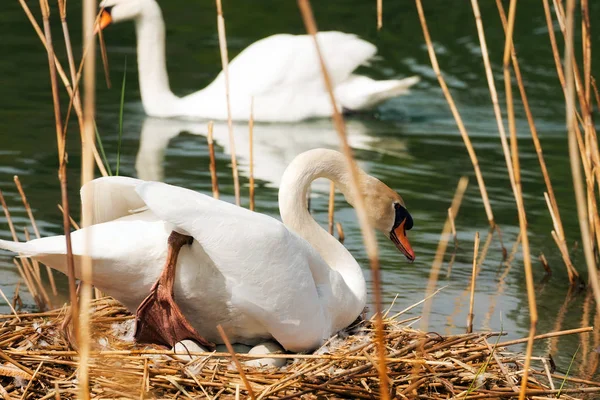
x=275, y=145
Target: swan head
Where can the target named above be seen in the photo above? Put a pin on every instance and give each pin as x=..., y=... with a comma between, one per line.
x=387, y=213
x=115, y=11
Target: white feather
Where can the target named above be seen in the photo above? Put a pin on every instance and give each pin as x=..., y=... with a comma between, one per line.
x=281, y=73
x=246, y=271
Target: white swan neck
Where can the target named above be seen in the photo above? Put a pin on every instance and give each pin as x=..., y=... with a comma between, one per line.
x=293, y=205
x=157, y=98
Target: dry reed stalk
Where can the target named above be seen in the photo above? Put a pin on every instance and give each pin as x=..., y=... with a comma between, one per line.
x=225, y=66
x=453, y=227
x=36, y=265
x=379, y=14
x=73, y=222
x=62, y=160
x=10, y=305
x=75, y=98
x=456, y=115
x=494, y=95
x=251, y=159
x=561, y=242
x=11, y=227
x=587, y=48
x=35, y=272
x=104, y=56
x=545, y=264
x=574, y=155
x=29, y=283
x=331, y=207
x=596, y=93
x=486, y=247
x=441, y=250
x=87, y=174
x=473, y=278
x=585, y=337
x=592, y=151
x=236, y=361
x=16, y=299
x=589, y=152
x=213, y=163
x=62, y=75
x=28, y=272
x=553, y=205
x=369, y=238
x=455, y=237
x=533, y=316
x=340, y=231
x=35, y=228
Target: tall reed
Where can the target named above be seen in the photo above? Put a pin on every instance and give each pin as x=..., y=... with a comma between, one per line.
x=87, y=174
x=492, y=88
x=225, y=66
x=456, y=115
x=367, y=231
x=62, y=157
x=473, y=278
x=213, y=163
x=574, y=155
x=236, y=361
x=533, y=316
x=436, y=266
x=35, y=229
x=71, y=90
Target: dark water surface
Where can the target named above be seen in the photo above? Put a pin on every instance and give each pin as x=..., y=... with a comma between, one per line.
x=411, y=143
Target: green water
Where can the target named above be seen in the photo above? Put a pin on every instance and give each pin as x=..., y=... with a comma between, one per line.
x=411, y=143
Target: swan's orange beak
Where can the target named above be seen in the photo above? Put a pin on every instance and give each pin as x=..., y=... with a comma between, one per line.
x=104, y=21
x=398, y=236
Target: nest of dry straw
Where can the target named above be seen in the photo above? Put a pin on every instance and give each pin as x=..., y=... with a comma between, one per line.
x=39, y=361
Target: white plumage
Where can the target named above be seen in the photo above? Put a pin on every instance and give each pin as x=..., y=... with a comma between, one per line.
x=258, y=278
x=281, y=72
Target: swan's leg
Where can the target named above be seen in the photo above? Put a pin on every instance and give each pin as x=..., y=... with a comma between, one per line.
x=270, y=347
x=158, y=319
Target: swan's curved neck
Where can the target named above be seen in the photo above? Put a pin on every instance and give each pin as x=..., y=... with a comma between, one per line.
x=293, y=206
x=157, y=97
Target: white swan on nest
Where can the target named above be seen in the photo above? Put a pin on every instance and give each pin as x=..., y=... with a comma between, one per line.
x=257, y=277
x=281, y=72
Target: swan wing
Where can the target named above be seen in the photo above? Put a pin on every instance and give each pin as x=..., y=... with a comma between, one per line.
x=109, y=198
x=288, y=62
x=266, y=266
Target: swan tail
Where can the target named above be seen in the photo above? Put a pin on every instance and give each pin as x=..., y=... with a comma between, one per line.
x=49, y=250
x=362, y=93
x=16, y=247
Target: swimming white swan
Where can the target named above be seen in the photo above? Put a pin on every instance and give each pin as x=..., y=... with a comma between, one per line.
x=281, y=72
x=259, y=278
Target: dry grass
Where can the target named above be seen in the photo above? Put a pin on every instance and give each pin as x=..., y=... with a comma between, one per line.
x=469, y=366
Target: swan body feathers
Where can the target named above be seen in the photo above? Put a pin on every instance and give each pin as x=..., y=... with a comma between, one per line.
x=250, y=273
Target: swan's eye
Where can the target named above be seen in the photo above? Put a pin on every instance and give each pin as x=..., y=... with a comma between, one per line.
x=402, y=214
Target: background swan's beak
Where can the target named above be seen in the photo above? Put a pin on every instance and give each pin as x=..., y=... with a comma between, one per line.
x=105, y=20
x=398, y=236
